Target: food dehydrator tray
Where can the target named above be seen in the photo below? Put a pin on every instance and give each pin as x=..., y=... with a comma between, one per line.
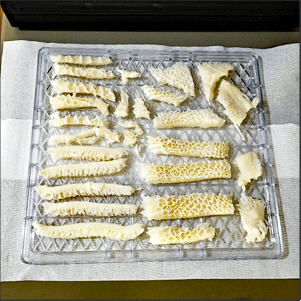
x=229, y=242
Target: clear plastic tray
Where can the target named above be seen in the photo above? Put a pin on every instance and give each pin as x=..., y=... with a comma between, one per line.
x=229, y=242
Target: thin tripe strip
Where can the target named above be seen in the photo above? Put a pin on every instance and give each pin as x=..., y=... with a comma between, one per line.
x=125, y=75
x=140, y=109
x=122, y=109
x=81, y=60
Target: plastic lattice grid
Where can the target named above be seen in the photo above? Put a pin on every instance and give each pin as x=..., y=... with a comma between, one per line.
x=229, y=240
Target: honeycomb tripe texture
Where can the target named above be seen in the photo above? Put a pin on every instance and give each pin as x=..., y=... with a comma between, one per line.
x=197, y=149
x=140, y=109
x=81, y=138
x=187, y=172
x=164, y=96
x=250, y=168
x=81, y=60
x=89, y=153
x=210, y=74
x=65, y=102
x=83, y=189
x=88, y=208
x=186, y=206
x=122, y=109
x=235, y=102
x=84, y=169
x=64, y=86
x=89, y=230
x=204, y=118
x=130, y=137
x=125, y=75
x=111, y=136
x=252, y=218
x=178, y=76
x=180, y=235
x=68, y=120
x=93, y=73
x=131, y=124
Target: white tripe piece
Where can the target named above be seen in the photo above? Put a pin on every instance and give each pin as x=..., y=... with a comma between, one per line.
x=58, y=121
x=86, y=230
x=140, y=108
x=88, y=208
x=164, y=96
x=63, y=86
x=125, y=75
x=235, y=102
x=204, y=118
x=178, y=76
x=250, y=168
x=106, y=133
x=84, y=169
x=63, y=102
x=187, y=172
x=122, y=109
x=83, y=189
x=186, y=206
x=90, y=153
x=130, y=137
x=197, y=149
x=131, y=124
x=210, y=74
x=252, y=218
x=81, y=60
x=85, y=72
x=180, y=235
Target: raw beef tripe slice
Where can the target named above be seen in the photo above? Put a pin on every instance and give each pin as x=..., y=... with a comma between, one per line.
x=84, y=169
x=197, y=149
x=131, y=124
x=106, y=133
x=140, y=108
x=205, y=118
x=64, y=102
x=178, y=76
x=188, y=172
x=164, y=96
x=86, y=230
x=130, y=137
x=91, y=73
x=81, y=60
x=83, y=189
x=252, y=218
x=250, y=168
x=186, y=206
x=88, y=208
x=125, y=75
x=210, y=74
x=122, y=109
x=182, y=235
x=62, y=86
x=90, y=153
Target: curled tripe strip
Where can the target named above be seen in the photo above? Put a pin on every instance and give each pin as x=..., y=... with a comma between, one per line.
x=130, y=124
x=81, y=60
x=122, y=109
x=83, y=189
x=86, y=230
x=88, y=208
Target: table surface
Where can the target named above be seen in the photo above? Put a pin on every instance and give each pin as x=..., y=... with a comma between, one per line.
x=170, y=289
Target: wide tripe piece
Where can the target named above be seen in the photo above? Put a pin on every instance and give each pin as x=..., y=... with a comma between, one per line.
x=197, y=149
x=250, y=168
x=89, y=153
x=81, y=60
x=178, y=76
x=182, y=235
x=140, y=108
x=68, y=120
x=122, y=109
x=164, y=96
x=186, y=206
x=252, y=218
x=84, y=169
x=63, y=86
x=64, y=102
x=205, y=118
x=83, y=189
x=188, y=172
x=210, y=74
x=86, y=230
x=125, y=75
x=88, y=208
x=91, y=73
x=235, y=102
